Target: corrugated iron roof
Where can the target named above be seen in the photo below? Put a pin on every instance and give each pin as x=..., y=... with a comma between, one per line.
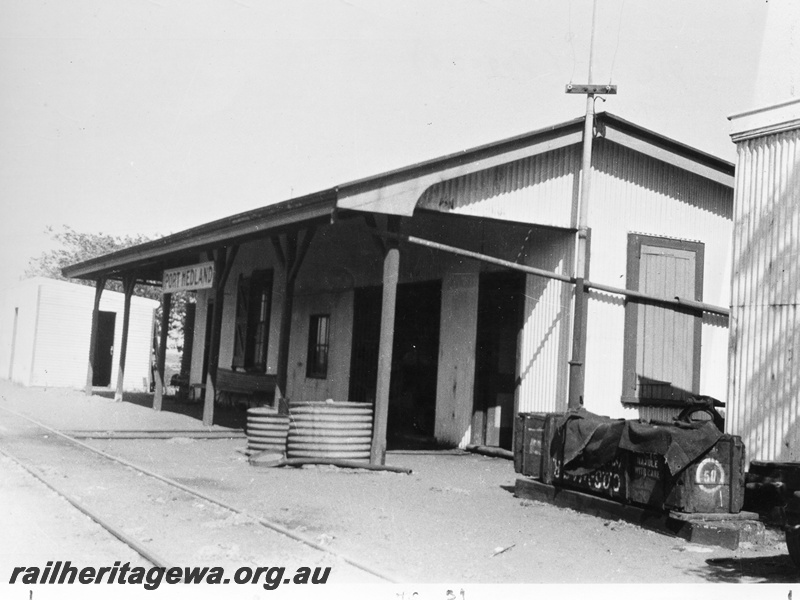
x=182, y=248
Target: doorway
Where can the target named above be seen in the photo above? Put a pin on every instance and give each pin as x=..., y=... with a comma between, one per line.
x=415, y=358
x=104, y=348
x=500, y=309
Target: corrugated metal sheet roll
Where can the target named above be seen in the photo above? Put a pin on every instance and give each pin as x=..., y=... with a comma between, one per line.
x=266, y=430
x=330, y=430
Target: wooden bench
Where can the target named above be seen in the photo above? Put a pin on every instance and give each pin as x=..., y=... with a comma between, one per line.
x=241, y=387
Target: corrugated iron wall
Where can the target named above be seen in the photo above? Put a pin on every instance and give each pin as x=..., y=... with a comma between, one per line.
x=764, y=391
x=539, y=189
x=634, y=193
x=546, y=329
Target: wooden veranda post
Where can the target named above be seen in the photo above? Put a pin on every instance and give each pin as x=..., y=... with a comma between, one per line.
x=98, y=292
x=291, y=259
x=166, y=306
x=391, y=275
x=223, y=262
x=128, y=283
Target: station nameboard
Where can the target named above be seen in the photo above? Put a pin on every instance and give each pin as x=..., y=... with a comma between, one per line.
x=193, y=277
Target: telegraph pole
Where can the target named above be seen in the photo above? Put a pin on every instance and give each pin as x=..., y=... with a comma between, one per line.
x=577, y=371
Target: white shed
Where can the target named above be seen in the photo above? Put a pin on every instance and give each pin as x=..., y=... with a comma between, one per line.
x=45, y=326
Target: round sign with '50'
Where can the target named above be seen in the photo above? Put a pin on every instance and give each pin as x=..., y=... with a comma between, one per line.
x=710, y=475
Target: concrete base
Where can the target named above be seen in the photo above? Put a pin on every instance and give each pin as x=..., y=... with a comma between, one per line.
x=725, y=530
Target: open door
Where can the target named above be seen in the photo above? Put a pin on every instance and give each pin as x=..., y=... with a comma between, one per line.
x=412, y=394
x=500, y=303
x=104, y=348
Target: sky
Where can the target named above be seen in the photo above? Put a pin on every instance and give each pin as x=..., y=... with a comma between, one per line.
x=152, y=116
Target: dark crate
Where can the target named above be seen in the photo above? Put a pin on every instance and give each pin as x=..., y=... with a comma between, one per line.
x=714, y=483
x=610, y=480
x=529, y=444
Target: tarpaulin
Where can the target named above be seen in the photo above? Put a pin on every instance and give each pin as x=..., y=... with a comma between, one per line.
x=680, y=443
x=591, y=440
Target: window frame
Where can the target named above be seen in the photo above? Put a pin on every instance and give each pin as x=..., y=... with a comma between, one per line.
x=631, y=341
x=251, y=354
x=317, y=368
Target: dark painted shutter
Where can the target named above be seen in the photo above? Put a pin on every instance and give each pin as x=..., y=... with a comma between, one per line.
x=240, y=331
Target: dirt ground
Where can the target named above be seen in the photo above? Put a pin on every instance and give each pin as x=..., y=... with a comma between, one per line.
x=454, y=519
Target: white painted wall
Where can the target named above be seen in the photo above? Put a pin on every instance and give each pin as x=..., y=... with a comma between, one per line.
x=335, y=386
x=23, y=298
x=632, y=193
x=457, y=346
x=54, y=329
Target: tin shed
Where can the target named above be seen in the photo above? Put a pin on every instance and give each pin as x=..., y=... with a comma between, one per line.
x=44, y=335
x=764, y=388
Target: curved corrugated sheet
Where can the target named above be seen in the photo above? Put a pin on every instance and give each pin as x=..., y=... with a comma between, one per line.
x=764, y=389
x=540, y=189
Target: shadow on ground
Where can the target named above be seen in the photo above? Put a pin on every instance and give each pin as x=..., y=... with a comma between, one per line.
x=224, y=416
x=760, y=569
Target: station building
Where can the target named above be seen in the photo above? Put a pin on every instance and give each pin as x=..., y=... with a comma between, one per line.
x=449, y=286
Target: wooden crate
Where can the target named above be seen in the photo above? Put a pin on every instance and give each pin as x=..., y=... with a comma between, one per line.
x=529, y=455
x=714, y=483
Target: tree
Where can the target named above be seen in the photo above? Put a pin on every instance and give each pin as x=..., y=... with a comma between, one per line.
x=74, y=247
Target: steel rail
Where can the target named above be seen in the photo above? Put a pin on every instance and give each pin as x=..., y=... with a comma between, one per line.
x=263, y=522
x=137, y=547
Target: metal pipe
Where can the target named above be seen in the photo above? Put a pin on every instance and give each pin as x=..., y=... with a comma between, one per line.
x=676, y=301
x=481, y=257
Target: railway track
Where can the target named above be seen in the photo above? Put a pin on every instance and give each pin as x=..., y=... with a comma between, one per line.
x=164, y=521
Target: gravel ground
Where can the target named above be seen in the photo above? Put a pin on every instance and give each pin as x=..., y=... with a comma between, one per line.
x=454, y=519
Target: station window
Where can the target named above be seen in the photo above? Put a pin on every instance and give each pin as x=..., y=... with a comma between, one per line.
x=253, y=307
x=318, y=344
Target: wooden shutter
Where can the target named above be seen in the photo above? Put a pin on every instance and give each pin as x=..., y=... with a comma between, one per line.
x=240, y=330
x=665, y=349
